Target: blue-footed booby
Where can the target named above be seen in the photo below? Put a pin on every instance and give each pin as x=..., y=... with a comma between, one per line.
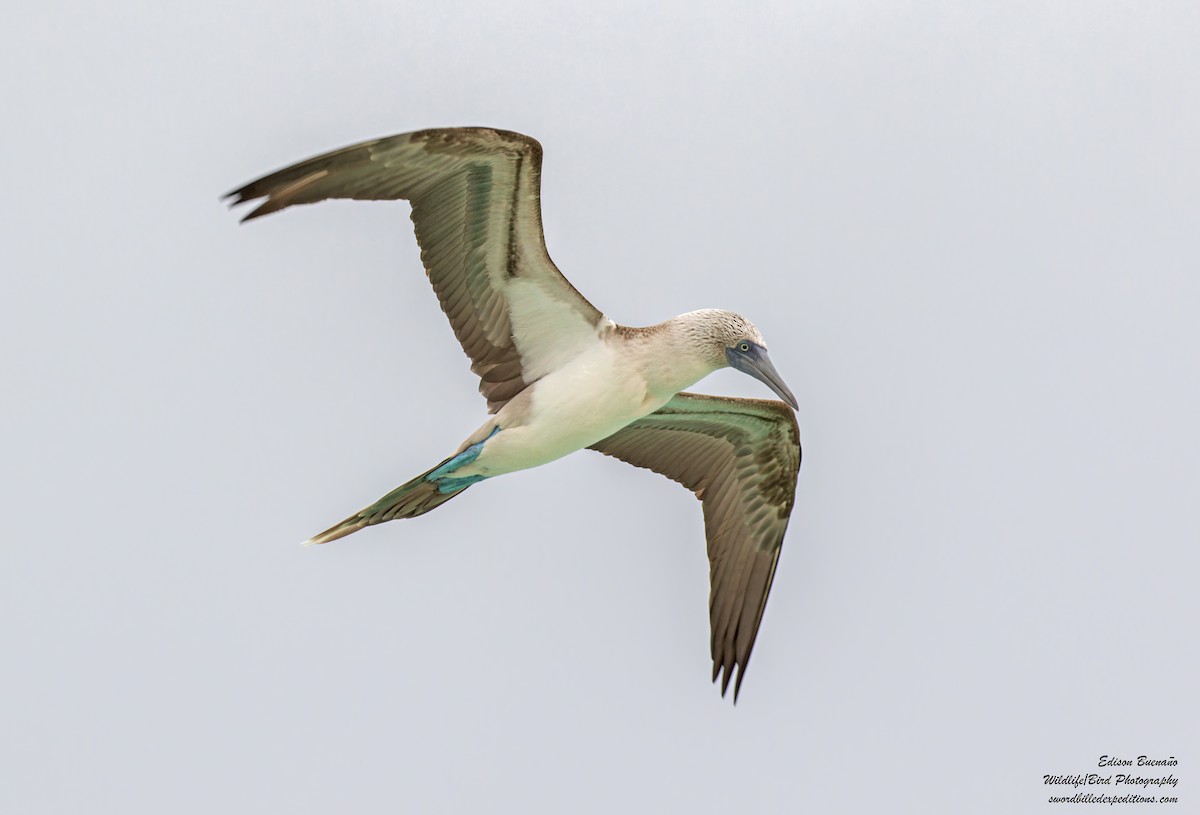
x=558, y=375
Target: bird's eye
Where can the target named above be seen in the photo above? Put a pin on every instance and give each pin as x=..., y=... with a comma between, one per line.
x=744, y=347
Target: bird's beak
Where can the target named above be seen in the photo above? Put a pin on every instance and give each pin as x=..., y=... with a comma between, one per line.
x=758, y=365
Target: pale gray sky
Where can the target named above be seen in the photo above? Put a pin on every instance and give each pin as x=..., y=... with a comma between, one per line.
x=968, y=232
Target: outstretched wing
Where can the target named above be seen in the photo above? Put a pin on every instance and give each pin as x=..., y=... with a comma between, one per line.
x=476, y=205
x=741, y=458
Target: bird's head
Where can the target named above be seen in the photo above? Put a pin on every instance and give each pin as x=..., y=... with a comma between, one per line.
x=733, y=341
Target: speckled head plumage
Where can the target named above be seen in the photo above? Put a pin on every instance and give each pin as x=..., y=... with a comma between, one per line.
x=729, y=339
x=716, y=330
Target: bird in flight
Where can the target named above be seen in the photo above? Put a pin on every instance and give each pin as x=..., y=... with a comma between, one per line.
x=557, y=374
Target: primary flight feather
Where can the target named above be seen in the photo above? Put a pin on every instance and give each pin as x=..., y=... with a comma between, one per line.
x=557, y=374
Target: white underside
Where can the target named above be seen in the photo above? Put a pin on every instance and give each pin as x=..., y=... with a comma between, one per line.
x=588, y=399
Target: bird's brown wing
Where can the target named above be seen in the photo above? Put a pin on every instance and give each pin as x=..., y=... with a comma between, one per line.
x=476, y=206
x=741, y=457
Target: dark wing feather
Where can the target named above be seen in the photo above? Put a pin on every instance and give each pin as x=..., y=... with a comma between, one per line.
x=741, y=457
x=476, y=206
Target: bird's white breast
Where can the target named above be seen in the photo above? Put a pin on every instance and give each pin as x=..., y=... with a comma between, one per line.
x=591, y=397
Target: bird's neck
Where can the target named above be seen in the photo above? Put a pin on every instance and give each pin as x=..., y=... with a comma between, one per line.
x=669, y=356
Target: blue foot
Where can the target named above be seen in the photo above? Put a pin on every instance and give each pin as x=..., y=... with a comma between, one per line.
x=439, y=473
x=451, y=484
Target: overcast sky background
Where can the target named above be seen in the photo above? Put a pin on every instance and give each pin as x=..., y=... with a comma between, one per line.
x=968, y=232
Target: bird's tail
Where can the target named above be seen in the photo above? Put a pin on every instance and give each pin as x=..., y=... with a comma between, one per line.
x=418, y=496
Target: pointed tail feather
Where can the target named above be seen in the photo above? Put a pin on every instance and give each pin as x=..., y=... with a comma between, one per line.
x=409, y=500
